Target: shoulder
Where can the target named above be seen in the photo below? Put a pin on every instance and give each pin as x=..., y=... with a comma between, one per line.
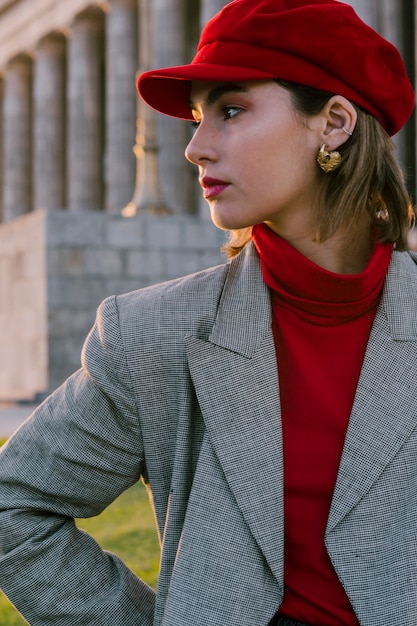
x=136, y=331
x=413, y=256
x=404, y=265
x=166, y=309
x=205, y=283
x=198, y=292
x=402, y=272
x=193, y=292
x=400, y=295
x=186, y=305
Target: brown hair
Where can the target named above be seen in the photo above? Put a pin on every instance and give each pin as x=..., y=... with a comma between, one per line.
x=369, y=179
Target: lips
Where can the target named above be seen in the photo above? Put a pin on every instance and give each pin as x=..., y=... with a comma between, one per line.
x=212, y=187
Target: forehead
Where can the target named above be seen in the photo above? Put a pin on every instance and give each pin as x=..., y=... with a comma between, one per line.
x=209, y=92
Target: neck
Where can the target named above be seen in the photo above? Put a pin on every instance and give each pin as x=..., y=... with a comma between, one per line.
x=341, y=253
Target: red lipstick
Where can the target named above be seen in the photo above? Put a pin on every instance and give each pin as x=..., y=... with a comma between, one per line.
x=212, y=186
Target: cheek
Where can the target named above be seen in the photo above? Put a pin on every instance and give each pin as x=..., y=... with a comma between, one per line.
x=257, y=157
x=269, y=152
x=273, y=164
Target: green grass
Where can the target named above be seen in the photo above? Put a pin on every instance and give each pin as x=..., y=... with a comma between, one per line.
x=127, y=528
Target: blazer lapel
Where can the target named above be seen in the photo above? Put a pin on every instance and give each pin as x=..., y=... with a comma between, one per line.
x=235, y=378
x=385, y=408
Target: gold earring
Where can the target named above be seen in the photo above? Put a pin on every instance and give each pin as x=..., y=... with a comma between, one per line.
x=328, y=161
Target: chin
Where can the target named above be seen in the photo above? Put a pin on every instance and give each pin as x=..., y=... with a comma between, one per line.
x=227, y=223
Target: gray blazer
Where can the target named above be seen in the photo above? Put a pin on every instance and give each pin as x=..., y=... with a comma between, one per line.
x=179, y=385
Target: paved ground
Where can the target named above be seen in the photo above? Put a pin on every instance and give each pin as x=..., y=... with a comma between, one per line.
x=11, y=416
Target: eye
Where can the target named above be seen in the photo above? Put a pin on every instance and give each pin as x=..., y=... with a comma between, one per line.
x=230, y=112
x=194, y=126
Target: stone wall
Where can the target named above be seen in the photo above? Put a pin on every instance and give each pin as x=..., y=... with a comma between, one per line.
x=23, y=301
x=55, y=269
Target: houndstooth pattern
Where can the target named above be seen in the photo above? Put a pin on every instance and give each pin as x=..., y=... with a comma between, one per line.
x=179, y=386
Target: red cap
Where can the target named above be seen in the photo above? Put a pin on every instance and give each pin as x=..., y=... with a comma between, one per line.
x=319, y=43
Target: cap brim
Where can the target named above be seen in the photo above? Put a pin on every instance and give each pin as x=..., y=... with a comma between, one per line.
x=168, y=90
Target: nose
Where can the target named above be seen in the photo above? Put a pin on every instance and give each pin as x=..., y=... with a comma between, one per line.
x=201, y=146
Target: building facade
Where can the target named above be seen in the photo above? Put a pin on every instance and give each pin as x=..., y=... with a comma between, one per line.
x=69, y=109
x=95, y=194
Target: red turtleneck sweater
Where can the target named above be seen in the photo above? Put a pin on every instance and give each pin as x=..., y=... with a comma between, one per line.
x=321, y=323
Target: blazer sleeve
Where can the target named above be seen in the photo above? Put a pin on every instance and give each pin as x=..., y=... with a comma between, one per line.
x=78, y=451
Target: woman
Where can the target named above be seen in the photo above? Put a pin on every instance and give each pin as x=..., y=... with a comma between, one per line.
x=270, y=402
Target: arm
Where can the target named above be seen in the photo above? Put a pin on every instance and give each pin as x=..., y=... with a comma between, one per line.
x=81, y=448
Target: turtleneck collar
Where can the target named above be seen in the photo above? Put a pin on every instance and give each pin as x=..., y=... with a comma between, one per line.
x=321, y=296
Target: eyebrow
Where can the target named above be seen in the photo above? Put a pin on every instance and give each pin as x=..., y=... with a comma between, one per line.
x=218, y=91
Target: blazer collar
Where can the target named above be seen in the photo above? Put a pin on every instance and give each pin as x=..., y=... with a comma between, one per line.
x=399, y=302
x=244, y=313
x=236, y=382
x=385, y=408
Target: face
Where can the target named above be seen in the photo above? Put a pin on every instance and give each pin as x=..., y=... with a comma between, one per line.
x=255, y=155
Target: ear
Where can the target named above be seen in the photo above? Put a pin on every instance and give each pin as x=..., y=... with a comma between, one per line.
x=340, y=118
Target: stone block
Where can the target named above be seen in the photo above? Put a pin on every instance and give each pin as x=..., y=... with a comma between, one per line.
x=211, y=259
x=56, y=296
x=164, y=232
x=201, y=235
x=118, y=287
x=64, y=358
x=67, y=323
x=75, y=228
x=24, y=296
x=145, y=263
x=124, y=232
x=66, y=261
x=75, y=293
x=34, y=263
x=56, y=268
x=103, y=262
x=180, y=263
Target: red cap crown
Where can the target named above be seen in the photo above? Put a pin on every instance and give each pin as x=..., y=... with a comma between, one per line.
x=319, y=43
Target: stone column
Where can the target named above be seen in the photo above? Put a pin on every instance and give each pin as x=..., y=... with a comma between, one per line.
x=169, y=48
x=367, y=11
x=49, y=123
x=85, y=111
x=17, y=198
x=147, y=196
x=122, y=61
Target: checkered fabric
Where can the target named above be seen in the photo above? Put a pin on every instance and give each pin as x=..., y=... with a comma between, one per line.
x=179, y=386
